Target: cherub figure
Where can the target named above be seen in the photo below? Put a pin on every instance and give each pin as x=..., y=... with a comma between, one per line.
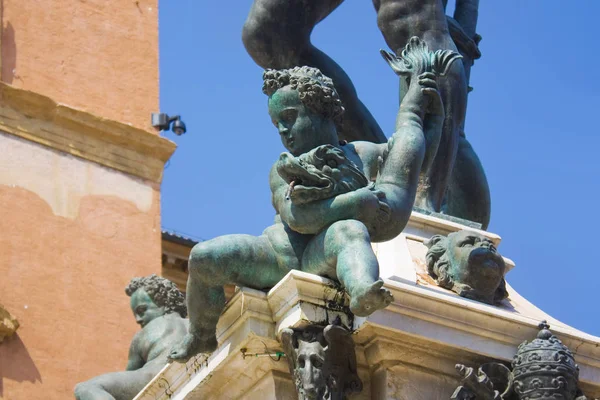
x=159, y=308
x=328, y=235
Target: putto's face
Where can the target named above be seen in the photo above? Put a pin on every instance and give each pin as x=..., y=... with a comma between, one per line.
x=299, y=127
x=474, y=261
x=144, y=309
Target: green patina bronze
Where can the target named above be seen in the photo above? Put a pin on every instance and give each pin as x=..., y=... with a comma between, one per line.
x=159, y=307
x=331, y=198
x=277, y=34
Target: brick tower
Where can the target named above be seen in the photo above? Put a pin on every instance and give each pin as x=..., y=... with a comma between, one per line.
x=80, y=173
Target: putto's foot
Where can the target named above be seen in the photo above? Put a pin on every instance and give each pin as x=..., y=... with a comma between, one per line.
x=373, y=298
x=192, y=345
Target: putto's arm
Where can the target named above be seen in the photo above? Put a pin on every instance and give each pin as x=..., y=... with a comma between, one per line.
x=418, y=130
x=399, y=174
x=135, y=360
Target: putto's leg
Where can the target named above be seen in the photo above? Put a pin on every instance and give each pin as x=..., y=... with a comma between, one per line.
x=242, y=260
x=344, y=251
x=277, y=32
x=277, y=35
x=358, y=123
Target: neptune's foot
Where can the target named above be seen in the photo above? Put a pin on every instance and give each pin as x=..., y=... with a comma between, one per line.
x=371, y=299
x=192, y=345
x=425, y=201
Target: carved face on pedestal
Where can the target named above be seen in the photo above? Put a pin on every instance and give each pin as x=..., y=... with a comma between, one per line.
x=300, y=128
x=143, y=307
x=467, y=263
x=323, y=361
x=311, y=357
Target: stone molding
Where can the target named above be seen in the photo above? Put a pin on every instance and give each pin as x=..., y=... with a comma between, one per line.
x=39, y=119
x=8, y=324
x=301, y=299
x=422, y=226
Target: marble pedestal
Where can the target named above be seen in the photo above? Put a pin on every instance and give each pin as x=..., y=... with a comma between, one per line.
x=407, y=351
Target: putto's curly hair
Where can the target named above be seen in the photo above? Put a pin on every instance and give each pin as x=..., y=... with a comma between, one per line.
x=162, y=291
x=437, y=260
x=315, y=89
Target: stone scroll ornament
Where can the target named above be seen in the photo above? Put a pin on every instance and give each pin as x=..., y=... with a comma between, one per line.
x=467, y=263
x=322, y=361
x=543, y=369
x=159, y=308
x=332, y=199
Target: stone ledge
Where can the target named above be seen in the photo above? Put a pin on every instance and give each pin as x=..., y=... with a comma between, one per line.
x=40, y=119
x=424, y=226
x=300, y=299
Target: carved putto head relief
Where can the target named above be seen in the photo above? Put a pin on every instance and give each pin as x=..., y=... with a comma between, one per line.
x=153, y=296
x=467, y=263
x=322, y=361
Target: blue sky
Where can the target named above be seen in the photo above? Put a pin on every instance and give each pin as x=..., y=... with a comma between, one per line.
x=532, y=119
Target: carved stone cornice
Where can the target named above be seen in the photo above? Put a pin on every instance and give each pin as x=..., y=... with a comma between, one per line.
x=38, y=118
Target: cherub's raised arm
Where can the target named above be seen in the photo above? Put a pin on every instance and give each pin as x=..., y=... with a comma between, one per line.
x=418, y=131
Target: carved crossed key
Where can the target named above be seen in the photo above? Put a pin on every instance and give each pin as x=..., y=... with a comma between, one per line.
x=479, y=385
